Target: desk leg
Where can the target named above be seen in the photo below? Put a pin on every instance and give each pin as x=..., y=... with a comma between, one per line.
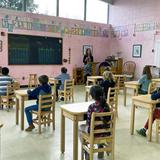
x=22, y=113
x=132, y=119
x=150, y=124
x=62, y=132
x=55, y=85
x=86, y=98
x=125, y=90
x=17, y=110
x=75, y=140
x=136, y=92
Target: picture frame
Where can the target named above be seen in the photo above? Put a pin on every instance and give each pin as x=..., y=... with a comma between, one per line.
x=1, y=43
x=137, y=51
x=85, y=47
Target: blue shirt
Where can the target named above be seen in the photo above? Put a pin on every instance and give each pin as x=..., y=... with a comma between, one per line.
x=40, y=90
x=144, y=82
x=62, y=77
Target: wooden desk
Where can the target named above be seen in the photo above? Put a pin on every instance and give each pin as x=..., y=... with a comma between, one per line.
x=74, y=112
x=87, y=90
x=133, y=85
x=143, y=101
x=21, y=96
x=93, y=79
x=156, y=80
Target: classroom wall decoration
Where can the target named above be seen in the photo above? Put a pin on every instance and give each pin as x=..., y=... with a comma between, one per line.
x=119, y=32
x=137, y=50
x=35, y=24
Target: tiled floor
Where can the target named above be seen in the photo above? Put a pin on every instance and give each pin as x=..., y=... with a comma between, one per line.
x=19, y=145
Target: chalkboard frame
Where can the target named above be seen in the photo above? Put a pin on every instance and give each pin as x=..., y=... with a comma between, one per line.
x=45, y=37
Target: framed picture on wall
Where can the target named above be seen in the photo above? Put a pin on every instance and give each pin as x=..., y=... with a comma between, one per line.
x=137, y=50
x=0, y=45
x=85, y=47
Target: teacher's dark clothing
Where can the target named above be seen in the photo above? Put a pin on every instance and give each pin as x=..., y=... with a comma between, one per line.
x=85, y=59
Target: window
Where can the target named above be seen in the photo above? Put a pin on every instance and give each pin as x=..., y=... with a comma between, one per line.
x=47, y=7
x=97, y=11
x=71, y=9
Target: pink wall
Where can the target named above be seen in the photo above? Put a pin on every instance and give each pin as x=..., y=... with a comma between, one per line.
x=73, y=38
x=140, y=20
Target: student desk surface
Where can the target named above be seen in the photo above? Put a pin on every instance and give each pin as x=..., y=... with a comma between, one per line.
x=143, y=101
x=74, y=112
x=132, y=85
x=93, y=79
x=135, y=85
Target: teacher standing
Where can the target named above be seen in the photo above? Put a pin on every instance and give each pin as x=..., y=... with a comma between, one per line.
x=87, y=59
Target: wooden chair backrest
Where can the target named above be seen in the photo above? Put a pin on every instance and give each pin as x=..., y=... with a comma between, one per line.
x=121, y=81
x=108, y=131
x=33, y=80
x=10, y=91
x=46, y=102
x=69, y=86
x=151, y=87
x=129, y=68
x=112, y=98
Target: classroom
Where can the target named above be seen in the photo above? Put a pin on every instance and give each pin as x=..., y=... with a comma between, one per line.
x=79, y=79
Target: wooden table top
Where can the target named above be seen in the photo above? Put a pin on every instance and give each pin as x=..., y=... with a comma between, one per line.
x=156, y=80
x=132, y=83
x=76, y=108
x=95, y=77
x=21, y=92
x=145, y=99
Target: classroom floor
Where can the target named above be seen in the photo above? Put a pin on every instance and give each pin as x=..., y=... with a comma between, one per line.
x=20, y=145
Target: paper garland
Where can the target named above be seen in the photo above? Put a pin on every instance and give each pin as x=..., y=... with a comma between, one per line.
x=12, y=22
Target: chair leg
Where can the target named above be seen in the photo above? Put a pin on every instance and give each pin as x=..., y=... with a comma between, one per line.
x=157, y=131
x=39, y=124
x=91, y=152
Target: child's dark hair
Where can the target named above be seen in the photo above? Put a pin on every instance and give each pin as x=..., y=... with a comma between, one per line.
x=64, y=70
x=43, y=79
x=97, y=94
x=5, y=71
x=147, y=71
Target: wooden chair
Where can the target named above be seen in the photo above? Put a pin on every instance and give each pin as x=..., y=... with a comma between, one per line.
x=33, y=81
x=120, y=83
x=90, y=141
x=157, y=129
x=68, y=91
x=8, y=100
x=112, y=99
x=46, y=111
x=129, y=69
x=151, y=87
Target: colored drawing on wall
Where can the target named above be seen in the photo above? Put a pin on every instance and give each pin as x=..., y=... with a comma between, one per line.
x=36, y=24
x=119, y=32
x=137, y=50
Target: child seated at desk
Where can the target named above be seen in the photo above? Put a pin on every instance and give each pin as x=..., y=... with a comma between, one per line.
x=5, y=79
x=43, y=89
x=107, y=82
x=99, y=105
x=62, y=77
x=145, y=80
x=156, y=113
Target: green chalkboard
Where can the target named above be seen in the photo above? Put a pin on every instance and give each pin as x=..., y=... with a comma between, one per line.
x=37, y=50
